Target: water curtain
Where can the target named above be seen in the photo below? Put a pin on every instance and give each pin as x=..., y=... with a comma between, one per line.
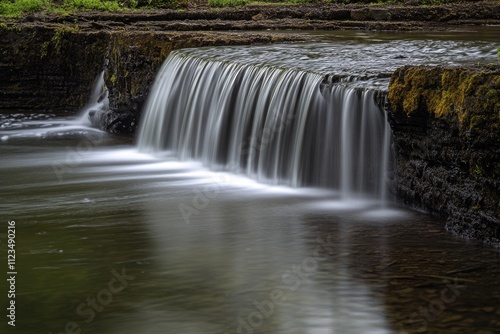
x=276, y=125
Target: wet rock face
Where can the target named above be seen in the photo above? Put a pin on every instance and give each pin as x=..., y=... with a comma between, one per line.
x=132, y=62
x=446, y=126
x=123, y=122
x=42, y=70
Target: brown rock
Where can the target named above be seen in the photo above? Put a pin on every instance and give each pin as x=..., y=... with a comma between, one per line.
x=258, y=17
x=359, y=14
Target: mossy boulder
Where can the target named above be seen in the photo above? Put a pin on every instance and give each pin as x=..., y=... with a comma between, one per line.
x=471, y=94
x=446, y=125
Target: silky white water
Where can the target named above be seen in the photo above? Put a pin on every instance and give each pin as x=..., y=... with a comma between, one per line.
x=276, y=125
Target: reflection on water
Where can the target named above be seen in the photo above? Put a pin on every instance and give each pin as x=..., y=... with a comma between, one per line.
x=211, y=252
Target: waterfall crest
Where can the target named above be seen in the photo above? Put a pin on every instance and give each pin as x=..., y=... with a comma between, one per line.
x=276, y=125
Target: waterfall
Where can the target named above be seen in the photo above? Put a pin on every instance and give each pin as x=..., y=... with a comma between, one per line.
x=276, y=125
x=98, y=102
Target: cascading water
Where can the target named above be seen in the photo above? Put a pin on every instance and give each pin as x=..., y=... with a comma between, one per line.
x=279, y=126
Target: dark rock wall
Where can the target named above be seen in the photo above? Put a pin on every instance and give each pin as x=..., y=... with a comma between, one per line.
x=132, y=60
x=446, y=124
x=48, y=70
x=52, y=69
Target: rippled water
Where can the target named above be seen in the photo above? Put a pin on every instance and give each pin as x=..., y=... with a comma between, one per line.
x=363, y=56
x=110, y=240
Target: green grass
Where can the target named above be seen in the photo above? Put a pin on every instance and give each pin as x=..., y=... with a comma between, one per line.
x=106, y=6
x=17, y=7
x=227, y=3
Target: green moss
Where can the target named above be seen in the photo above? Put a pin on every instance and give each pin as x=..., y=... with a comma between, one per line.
x=44, y=49
x=60, y=34
x=113, y=79
x=472, y=96
x=133, y=62
x=413, y=90
x=478, y=170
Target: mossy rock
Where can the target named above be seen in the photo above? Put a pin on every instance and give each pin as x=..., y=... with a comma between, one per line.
x=471, y=95
x=446, y=124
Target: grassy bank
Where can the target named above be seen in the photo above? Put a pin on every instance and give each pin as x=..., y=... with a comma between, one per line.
x=16, y=8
